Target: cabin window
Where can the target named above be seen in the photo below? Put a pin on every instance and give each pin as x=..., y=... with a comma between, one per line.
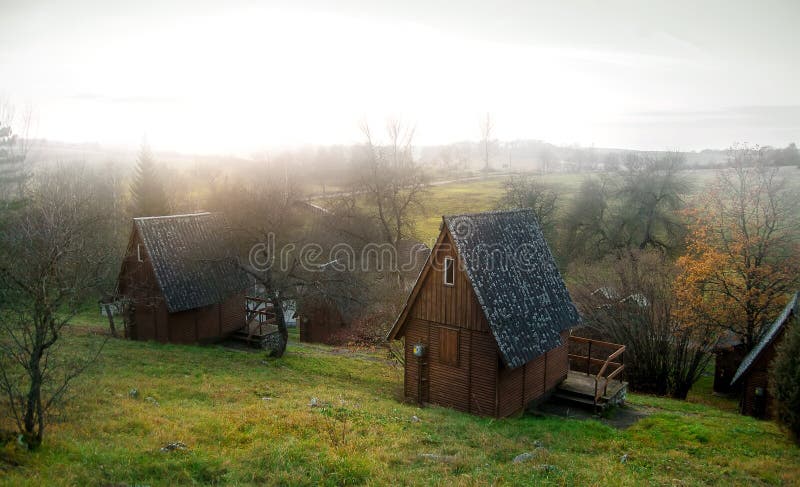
x=139, y=253
x=449, y=272
x=448, y=346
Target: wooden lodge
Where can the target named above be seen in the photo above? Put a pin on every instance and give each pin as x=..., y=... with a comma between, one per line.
x=486, y=325
x=322, y=320
x=179, y=283
x=729, y=351
x=752, y=377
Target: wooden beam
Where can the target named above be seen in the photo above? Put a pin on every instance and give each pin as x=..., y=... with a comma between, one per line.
x=578, y=339
x=593, y=360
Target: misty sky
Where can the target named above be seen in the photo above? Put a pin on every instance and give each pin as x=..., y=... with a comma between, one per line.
x=237, y=76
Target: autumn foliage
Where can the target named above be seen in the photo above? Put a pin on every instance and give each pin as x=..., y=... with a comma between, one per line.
x=742, y=251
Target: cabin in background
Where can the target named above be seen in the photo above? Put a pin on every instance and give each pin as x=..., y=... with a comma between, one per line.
x=179, y=282
x=487, y=322
x=752, y=377
x=324, y=320
x=729, y=351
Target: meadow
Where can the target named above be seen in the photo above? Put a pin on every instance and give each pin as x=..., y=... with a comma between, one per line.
x=483, y=195
x=325, y=416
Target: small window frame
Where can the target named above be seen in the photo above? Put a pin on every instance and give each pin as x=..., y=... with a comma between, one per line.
x=449, y=268
x=139, y=253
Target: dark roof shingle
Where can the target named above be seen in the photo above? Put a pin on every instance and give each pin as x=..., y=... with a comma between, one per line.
x=516, y=280
x=191, y=259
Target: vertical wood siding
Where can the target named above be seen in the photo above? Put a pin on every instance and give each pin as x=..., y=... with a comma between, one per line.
x=152, y=321
x=454, y=305
x=478, y=383
x=758, y=376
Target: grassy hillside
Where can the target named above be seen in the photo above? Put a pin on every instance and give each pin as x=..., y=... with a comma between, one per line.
x=247, y=420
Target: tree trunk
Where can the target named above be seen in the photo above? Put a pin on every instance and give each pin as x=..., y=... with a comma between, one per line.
x=33, y=423
x=280, y=321
x=110, y=316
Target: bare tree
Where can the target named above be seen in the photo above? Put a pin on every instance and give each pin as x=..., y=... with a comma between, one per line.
x=487, y=127
x=392, y=183
x=526, y=191
x=652, y=192
x=629, y=299
x=14, y=174
x=282, y=245
x=590, y=227
x=50, y=263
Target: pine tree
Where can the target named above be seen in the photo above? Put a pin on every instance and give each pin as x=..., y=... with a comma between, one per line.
x=13, y=173
x=148, y=195
x=786, y=379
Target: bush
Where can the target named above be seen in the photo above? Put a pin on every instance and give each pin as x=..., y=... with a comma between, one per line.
x=786, y=379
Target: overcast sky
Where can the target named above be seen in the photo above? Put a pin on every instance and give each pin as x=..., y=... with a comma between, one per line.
x=236, y=76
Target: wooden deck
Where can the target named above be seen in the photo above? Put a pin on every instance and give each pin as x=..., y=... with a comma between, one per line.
x=595, y=375
x=261, y=322
x=580, y=387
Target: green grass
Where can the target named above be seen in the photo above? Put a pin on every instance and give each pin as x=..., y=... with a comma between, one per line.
x=212, y=399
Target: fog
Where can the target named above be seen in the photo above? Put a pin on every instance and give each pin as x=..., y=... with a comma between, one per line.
x=239, y=77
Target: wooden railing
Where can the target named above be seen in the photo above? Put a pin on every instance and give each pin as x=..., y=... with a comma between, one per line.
x=260, y=311
x=609, y=367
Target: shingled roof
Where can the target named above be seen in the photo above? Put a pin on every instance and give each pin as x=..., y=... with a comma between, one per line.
x=792, y=308
x=192, y=262
x=516, y=280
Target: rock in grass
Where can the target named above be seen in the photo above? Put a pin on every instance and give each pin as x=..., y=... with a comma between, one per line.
x=437, y=458
x=624, y=458
x=414, y=419
x=177, y=445
x=537, y=452
x=151, y=400
x=133, y=393
x=523, y=457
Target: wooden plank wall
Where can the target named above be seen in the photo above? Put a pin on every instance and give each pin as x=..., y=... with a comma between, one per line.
x=758, y=376
x=469, y=386
x=416, y=332
x=454, y=305
x=477, y=384
x=519, y=387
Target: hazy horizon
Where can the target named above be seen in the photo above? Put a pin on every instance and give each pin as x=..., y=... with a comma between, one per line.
x=202, y=77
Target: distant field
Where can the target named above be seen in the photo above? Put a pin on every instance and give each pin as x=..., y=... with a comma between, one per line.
x=247, y=420
x=475, y=196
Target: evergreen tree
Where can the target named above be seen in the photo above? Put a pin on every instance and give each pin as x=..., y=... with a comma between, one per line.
x=13, y=174
x=786, y=379
x=148, y=195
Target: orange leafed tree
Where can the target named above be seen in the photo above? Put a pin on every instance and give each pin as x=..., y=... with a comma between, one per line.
x=742, y=255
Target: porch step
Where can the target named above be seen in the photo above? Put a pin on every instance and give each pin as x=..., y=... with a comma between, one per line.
x=574, y=398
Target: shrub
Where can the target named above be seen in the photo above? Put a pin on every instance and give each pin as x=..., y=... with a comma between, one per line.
x=786, y=379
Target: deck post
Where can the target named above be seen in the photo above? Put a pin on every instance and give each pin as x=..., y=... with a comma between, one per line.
x=589, y=360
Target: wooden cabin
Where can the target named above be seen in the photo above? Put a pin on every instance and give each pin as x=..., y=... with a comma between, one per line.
x=752, y=377
x=487, y=322
x=326, y=321
x=729, y=351
x=320, y=321
x=179, y=281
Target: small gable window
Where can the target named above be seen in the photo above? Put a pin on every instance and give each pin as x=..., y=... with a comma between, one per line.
x=449, y=271
x=139, y=253
x=448, y=346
